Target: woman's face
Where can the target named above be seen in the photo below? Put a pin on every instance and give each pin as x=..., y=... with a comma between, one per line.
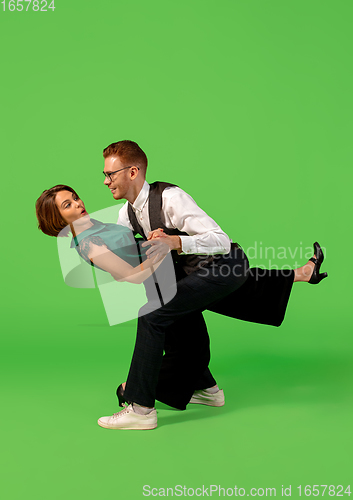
x=70, y=206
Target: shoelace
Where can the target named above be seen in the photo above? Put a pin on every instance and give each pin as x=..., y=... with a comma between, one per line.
x=122, y=412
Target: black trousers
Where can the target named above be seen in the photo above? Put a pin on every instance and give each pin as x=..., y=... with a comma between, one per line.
x=226, y=286
x=184, y=366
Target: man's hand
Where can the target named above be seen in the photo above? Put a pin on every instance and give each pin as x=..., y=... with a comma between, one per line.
x=155, y=234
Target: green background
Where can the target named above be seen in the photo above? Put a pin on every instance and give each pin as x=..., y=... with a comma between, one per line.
x=245, y=104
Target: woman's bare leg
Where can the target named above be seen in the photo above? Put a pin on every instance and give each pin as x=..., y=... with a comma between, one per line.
x=304, y=273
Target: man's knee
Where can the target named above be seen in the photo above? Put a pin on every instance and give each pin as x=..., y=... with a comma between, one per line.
x=156, y=320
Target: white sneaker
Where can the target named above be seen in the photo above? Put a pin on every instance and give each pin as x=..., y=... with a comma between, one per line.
x=203, y=397
x=128, y=419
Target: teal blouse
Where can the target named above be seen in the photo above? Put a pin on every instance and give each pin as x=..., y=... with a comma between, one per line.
x=119, y=240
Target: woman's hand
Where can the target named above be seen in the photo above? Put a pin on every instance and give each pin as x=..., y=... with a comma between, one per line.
x=158, y=250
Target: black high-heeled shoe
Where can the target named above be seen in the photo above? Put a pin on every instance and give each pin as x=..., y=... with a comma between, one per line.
x=120, y=393
x=316, y=276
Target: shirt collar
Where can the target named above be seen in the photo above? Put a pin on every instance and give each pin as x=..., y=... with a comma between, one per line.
x=97, y=226
x=142, y=197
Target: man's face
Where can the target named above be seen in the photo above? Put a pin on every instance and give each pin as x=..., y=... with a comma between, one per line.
x=120, y=182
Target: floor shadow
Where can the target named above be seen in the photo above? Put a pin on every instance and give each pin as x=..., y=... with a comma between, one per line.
x=100, y=325
x=260, y=380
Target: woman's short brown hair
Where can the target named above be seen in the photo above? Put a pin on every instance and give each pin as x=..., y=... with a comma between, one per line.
x=49, y=218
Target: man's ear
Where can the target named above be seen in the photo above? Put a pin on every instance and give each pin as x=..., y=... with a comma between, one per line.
x=134, y=171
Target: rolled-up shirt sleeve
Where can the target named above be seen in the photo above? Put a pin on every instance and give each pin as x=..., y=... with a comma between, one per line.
x=205, y=237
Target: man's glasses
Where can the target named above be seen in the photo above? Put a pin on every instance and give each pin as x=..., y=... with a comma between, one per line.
x=108, y=175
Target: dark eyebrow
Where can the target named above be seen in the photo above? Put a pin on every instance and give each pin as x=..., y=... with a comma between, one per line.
x=72, y=194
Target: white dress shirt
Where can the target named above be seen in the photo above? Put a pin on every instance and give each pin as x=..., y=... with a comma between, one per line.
x=180, y=211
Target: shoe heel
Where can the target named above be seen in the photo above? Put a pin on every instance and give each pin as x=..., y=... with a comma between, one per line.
x=322, y=276
x=120, y=394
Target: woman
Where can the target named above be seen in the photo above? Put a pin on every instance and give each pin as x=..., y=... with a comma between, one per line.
x=109, y=247
x=262, y=298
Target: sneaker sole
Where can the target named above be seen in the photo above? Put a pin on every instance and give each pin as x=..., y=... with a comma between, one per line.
x=207, y=403
x=139, y=428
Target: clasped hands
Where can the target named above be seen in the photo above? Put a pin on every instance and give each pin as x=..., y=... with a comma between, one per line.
x=161, y=244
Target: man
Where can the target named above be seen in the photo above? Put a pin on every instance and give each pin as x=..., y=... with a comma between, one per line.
x=125, y=169
x=209, y=271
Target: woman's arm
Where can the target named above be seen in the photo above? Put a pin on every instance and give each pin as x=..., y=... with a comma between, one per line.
x=120, y=270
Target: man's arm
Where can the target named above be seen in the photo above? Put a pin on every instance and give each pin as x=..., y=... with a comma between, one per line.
x=204, y=235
